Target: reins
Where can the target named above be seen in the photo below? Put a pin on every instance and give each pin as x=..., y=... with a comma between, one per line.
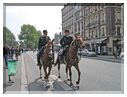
x=76, y=49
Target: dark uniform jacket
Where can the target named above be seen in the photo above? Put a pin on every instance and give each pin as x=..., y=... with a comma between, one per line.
x=43, y=41
x=6, y=51
x=66, y=41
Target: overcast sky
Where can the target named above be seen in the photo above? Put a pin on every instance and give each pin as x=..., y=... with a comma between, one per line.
x=42, y=17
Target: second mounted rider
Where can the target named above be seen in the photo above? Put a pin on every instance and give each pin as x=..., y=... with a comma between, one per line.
x=65, y=43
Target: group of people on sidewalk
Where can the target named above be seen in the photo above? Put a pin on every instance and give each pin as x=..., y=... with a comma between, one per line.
x=9, y=52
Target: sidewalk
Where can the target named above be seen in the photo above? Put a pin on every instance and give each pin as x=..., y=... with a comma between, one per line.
x=109, y=57
x=16, y=86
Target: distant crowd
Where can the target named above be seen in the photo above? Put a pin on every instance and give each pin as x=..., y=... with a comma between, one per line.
x=8, y=53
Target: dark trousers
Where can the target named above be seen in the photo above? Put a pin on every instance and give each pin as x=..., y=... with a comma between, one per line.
x=6, y=57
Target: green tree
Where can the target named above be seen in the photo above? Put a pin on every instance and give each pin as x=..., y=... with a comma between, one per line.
x=8, y=37
x=29, y=35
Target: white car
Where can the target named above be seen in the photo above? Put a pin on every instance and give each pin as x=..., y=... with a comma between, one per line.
x=88, y=53
x=122, y=56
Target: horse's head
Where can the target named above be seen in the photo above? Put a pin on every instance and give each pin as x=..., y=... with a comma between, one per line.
x=78, y=41
x=49, y=48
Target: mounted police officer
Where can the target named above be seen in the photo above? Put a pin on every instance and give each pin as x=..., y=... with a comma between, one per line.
x=42, y=44
x=65, y=43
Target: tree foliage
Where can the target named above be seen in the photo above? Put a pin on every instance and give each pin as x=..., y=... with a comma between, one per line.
x=29, y=35
x=8, y=37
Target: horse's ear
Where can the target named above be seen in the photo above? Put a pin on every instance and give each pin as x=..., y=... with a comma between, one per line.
x=81, y=35
x=53, y=40
x=75, y=35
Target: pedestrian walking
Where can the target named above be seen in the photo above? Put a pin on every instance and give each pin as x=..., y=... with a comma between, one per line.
x=9, y=53
x=12, y=51
x=6, y=52
x=116, y=53
x=16, y=52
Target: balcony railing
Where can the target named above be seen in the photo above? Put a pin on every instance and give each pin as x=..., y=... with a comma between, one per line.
x=94, y=23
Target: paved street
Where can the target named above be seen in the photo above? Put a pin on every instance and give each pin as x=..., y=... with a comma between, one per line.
x=104, y=75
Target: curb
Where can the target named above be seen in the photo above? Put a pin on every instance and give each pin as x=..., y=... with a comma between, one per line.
x=24, y=86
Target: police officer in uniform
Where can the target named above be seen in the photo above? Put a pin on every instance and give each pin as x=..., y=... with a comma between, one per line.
x=65, y=43
x=42, y=44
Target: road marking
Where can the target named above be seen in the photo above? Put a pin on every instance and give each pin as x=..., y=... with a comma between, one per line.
x=61, y=83
x=24, y=86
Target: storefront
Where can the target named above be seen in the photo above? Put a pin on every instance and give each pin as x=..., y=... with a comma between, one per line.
x=99, y=45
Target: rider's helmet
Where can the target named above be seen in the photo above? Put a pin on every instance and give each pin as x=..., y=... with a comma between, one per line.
x=66, y=31
x=44, y=31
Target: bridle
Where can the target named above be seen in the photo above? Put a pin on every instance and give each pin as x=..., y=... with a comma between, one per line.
x=47, y=51
x=79, y=46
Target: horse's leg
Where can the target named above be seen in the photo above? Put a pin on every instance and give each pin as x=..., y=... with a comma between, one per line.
x=59, y=67
x=46, y=75
x=67, y=72
x=40, y=71
x=71, y=84
x=79, y=73
x=49, y=71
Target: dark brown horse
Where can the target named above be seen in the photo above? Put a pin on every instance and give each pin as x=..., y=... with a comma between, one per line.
x=72, y=58
x=47, y=59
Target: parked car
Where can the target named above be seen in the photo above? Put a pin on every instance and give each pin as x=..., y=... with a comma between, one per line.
x=122, y=56
x=79, y=52
x=88, y=53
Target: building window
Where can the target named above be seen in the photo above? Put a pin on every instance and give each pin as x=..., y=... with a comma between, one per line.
x=103, y=17
x=86, y=23
x=91, y=21
x=72, y=29
x=95, y=7
x=103, y=31
x=78, y=26
x=96, y=19
x=96, y=33
x=118, y=30
x=118, y=16
x=82, y=24
x=102, y=5
x=75, y=27
x=91, y=34
x=77, y=16
x=77, y=6
x=87, y=35
x=86, y=12
x=82, y=13
x=91, y=9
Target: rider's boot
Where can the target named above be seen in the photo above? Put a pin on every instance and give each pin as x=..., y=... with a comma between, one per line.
x=38, y=60
x=61, y=61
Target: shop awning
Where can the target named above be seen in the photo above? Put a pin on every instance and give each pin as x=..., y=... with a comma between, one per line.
x=86, y=42
x=94, y=41
x=121, y=42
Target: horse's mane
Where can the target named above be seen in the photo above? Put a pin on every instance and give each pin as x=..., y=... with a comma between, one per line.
x=72, y=42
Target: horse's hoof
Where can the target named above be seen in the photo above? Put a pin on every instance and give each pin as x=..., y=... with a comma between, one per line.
x=59, y=76
x=68, y=79
x=77, y=82
x=40, y=77
x=71, y=84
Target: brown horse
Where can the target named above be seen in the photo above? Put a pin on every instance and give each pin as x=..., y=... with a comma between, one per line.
x=47, y=59
x=72, y=58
